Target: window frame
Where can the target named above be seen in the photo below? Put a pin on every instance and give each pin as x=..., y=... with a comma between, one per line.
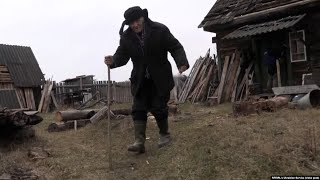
x=305, y=49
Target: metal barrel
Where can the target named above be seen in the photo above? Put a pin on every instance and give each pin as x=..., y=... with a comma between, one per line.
x=312, y=99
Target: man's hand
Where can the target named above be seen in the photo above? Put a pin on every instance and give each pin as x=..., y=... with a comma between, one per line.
x=182, y=69
x=108, y=60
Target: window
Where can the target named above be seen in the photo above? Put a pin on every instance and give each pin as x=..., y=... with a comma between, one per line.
x=297, y=46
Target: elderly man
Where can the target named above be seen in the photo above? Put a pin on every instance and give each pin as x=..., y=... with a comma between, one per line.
x=147, y=43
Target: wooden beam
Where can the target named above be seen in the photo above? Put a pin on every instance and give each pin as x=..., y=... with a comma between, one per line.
x=278, y=74
x=224, y=73
x=294, y=89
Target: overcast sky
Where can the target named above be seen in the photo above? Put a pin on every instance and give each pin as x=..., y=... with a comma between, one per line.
x=71, y=37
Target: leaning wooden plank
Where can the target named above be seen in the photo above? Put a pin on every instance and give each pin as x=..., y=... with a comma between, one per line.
x=245, y=77
x=224, y=72
x=291, y=90
x=85, y=103
x=54, y=100
x=278, y=73
x=189, y=83
x=204, y=89
x=19, y=100
x=30, y=97
x=233, y=76
x=235, y=85
x=44, y=91
x=195, y=75
x=100, y=115
x=47, y=98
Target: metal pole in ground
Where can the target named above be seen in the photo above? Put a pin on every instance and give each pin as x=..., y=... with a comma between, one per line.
x=109, y=121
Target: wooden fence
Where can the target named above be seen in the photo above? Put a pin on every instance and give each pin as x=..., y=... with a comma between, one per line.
x=120, y=91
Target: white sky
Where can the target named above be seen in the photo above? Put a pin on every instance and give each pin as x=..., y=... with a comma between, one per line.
x=71, y=37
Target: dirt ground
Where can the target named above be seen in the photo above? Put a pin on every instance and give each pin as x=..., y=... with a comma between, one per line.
x=208, y=143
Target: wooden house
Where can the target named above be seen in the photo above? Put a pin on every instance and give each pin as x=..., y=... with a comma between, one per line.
x=20, y=78
x=250, y=28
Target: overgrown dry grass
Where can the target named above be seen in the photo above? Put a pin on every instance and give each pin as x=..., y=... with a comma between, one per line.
x=209, y=143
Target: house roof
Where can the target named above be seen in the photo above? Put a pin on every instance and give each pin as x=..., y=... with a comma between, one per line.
x=226, y=11
x=77, y=78
x=255, y=29
x=22, y=65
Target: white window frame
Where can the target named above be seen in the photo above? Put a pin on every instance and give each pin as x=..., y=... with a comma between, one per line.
x=305, y=50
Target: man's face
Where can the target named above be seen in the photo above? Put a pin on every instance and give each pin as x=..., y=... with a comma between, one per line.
x=137, y=25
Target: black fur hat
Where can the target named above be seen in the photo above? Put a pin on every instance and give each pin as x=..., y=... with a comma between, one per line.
x=133, y=14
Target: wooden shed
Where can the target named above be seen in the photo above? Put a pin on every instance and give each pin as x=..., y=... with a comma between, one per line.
x=20, y=78
x=248, y=29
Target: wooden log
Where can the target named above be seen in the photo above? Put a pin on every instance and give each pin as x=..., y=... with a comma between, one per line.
x=224, y=73
x=245, y=108
x=269, y=105
x=58, y=127
x=73, y=115
x=126, y=112
x=101, y=114
x=17, y=118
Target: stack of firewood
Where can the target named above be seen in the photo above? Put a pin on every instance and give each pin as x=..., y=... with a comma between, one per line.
x=234, y=81
x=15, y=123
x=196, y=87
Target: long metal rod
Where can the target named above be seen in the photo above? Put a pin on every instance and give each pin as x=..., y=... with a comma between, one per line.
x=109, y=121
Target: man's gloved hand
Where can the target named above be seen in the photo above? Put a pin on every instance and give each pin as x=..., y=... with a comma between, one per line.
x=182, y=69
x=108, y=60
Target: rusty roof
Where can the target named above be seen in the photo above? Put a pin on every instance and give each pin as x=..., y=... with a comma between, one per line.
x=255, y=29
x=22, y=65
x=224, y=11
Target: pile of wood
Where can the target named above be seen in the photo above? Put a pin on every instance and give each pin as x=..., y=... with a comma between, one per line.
x=16, y=123
x=74, y=119
x=234, y=81
x=196, y=87
x=47, y=97
x=266, y=105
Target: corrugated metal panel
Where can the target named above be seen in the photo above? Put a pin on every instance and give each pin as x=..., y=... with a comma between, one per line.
x=255, y=29
x=22, y=65
x=9, y=99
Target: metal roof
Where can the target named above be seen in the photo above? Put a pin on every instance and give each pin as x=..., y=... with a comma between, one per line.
x=224, y=11
x=9, y=99
x=78, y=77
x=22, y=65
x=266, y=27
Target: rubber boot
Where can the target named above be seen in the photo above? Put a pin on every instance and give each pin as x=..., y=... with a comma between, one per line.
x=140, y=137
x=165, y=137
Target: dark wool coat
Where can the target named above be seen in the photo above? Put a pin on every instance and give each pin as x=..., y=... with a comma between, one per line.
x=154, y=55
